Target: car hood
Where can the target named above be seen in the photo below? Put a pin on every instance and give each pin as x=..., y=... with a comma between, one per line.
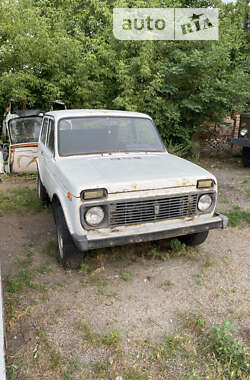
x=128, y=172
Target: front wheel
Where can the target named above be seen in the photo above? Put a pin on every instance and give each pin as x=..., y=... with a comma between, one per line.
x=246, y=156
x=68, y=254
x=194, y=239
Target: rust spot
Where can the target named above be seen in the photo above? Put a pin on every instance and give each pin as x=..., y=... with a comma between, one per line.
x=128, y=226
x=134, y=186
x=11, y=156
x=115, y=230
x=185, y=182
x=29, y=163
x=26, y=145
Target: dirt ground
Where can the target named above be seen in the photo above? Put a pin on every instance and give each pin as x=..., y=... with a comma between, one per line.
x=102, y=321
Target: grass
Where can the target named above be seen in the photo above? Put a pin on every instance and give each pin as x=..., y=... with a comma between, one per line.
x=20, y=282
x=106, y=293
x=101, y=368
x=134, y=374
x=230, y=352
x=19, y=200
x=238, y=217
x=12, y=368
x=73, y=365
x=27, y=261
x=153, y=253
x=85, y=268
x=126, y=276
x=23, y=279
x=166, y=285
x=242, y=181
x=44, y=268
x=207, y=263
x=174, y=248
x=26, y=279
x=27, y=175
x=53, y=362
x=246, y=190
x=210, y=352
x=181, y=249
x=194, y=322
x=55, y=359
x=111, y=340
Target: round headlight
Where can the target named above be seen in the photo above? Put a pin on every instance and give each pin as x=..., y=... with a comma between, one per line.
x=205, y=202
x=243, y=132
x=94, y=216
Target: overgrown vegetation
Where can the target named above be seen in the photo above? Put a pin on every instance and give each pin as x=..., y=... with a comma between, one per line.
x=19, y=200
x=238, y=217
x=66, y=49
x=231, y=353
x=204, y=352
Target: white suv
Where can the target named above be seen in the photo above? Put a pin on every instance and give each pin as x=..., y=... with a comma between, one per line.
x=112, y=182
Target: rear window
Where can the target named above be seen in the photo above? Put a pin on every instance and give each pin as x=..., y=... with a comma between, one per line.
x=25, y=130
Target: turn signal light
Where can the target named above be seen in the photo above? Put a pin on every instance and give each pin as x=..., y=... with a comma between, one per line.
x=94, y=194
x=205, y=183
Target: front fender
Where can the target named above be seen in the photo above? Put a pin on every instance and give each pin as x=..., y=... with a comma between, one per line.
x=71, y=210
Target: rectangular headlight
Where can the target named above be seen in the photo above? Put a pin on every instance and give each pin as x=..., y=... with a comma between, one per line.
x=94, y=194
x=205, y=183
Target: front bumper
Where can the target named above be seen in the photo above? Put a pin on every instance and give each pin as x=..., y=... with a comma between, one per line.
x=148, y=232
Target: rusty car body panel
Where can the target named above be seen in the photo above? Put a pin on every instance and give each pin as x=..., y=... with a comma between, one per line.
x=20, y=141
x=23, y=158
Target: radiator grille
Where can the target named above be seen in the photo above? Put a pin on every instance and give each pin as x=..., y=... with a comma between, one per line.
x=143, y=211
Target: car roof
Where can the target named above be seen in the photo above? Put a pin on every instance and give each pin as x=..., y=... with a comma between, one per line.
x=92, y=112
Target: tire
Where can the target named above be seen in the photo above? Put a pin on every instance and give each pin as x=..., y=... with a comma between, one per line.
x=41, y=191
x=68, y=255
x=246, y=157
x=193, y=240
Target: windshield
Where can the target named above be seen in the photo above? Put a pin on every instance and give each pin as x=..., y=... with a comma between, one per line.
x=88, y=135
x=25, y=129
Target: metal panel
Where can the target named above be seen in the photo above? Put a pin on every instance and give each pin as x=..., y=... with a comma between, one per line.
x=143, y=211
x=2, y=345
x=23, y=158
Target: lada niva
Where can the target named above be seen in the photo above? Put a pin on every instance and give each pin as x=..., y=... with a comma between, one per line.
x=111, y=181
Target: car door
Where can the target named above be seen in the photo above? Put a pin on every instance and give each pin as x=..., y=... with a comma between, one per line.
x=41, y=150
x=49, y=156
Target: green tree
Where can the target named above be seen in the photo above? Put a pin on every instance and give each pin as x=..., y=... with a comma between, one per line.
x=65, y=49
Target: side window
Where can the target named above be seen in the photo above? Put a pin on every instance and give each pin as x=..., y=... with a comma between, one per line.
x=44, y=131
x=51, y=136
